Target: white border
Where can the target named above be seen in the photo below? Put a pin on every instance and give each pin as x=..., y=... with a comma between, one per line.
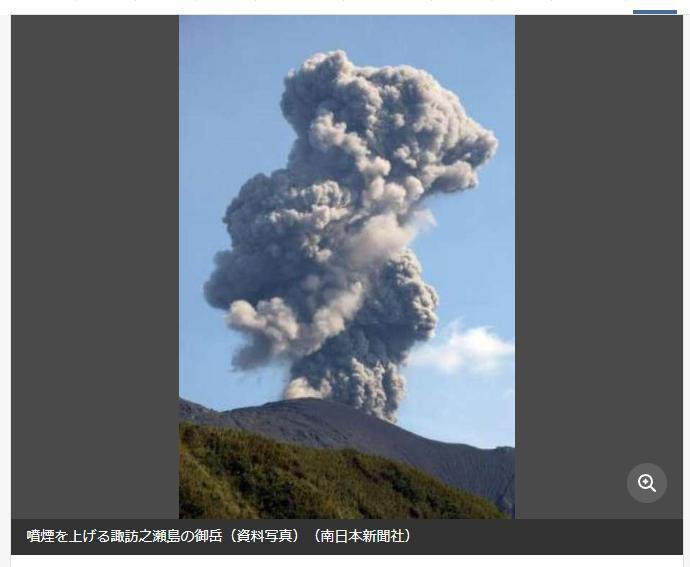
x=468, y=7
x=686, y=284
x=348, y=560
x=5, y=286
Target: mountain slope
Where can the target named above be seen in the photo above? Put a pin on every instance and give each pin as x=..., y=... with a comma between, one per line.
x=309, y=422
x=226, y=473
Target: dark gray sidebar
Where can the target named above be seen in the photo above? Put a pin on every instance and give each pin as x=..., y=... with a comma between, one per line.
x=598, y=263
x=94, y=267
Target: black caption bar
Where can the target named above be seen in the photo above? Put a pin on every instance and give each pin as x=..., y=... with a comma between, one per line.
x=468, y=537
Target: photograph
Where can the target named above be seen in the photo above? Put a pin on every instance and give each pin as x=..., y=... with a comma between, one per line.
x=346, y=267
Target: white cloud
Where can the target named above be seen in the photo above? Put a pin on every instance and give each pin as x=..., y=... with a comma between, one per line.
x=476, y=350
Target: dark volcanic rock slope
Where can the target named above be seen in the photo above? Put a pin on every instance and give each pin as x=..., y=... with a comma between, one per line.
x=318, y=423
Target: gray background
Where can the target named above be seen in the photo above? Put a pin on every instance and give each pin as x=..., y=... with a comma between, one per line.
x=95, y=263
x=94, y=267
x=598, y=263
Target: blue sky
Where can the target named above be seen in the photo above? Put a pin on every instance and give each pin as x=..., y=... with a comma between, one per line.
x=461, y=384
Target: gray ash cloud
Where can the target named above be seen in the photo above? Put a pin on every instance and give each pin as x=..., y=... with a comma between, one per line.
x=320, y=273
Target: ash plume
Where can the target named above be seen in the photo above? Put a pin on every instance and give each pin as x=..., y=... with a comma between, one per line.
x=320, y=273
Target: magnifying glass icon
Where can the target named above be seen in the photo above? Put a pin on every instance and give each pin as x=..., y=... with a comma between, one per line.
x=646, y=482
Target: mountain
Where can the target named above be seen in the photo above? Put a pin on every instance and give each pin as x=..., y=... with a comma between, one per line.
x=311, y=422
x=228, y=473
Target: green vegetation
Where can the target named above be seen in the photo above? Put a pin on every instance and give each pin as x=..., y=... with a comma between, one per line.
x=226, y=473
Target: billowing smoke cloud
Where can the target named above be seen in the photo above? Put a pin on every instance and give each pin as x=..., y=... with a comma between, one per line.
x=320, y=274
